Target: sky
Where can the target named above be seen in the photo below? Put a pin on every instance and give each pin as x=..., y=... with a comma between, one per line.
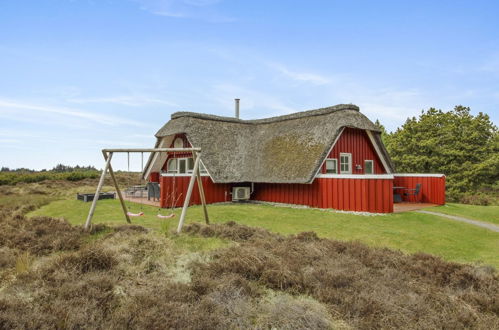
x=77, y=76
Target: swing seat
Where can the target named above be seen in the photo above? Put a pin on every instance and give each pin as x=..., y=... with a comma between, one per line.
x=166, y=216
x=135, y=214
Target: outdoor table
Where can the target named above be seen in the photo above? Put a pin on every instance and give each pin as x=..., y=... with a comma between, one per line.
x=397, y=198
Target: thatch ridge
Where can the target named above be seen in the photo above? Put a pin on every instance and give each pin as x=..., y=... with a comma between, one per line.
x=296, y=115
x=283, y=149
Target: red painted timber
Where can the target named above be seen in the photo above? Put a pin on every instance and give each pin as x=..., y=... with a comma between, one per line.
x=178, y=186
x=432, y=188
x=363, y=195
x=356, y=142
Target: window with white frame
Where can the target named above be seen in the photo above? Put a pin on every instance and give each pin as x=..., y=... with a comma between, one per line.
x=369, y=167
x=172, y=165
x=345, y=163
x=332, y=165
x=180, y=165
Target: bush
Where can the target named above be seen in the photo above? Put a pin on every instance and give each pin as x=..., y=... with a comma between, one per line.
x=478, y=198
x=12, y=178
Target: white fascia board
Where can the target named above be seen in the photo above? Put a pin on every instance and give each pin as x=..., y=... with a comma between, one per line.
x=376, y=147
x=357, y=176
x=328, y=152
x=422, y=175
x=181, y=175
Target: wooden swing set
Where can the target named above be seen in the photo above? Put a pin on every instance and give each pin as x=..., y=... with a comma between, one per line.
x=108, y=155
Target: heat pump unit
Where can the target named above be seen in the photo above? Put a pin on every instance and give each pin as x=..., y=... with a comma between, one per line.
x=240, y=193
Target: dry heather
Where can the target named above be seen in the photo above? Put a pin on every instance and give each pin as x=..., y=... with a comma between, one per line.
x=370, y=288
x=53, y=275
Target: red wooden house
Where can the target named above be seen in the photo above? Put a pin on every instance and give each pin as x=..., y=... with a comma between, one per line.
x=327, y=158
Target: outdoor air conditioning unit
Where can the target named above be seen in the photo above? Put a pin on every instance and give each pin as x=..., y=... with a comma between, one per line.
x=240, y=193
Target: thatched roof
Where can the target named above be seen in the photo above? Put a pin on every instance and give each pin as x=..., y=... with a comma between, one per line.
x=284, y=149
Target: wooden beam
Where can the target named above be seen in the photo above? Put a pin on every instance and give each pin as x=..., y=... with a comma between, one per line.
x=97, y=193
x=118, y=191
x=201, y=191
x=188, y=196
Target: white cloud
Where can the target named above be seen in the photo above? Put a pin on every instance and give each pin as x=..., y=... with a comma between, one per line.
x=198, y=9
x=132, y=101
x=9, y=105
x=301, y=76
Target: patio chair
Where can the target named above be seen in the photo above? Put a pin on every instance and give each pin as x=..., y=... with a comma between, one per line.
x=413, y=192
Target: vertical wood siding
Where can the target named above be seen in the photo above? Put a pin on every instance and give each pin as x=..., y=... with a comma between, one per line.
x=177, y=187
x=356, y=142
x=362, y=195
x=432, y=188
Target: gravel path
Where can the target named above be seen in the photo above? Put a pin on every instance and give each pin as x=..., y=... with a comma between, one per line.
x=489, y=226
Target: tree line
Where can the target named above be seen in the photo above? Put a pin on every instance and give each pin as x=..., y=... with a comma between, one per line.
x=59, y=168
x=463, y=146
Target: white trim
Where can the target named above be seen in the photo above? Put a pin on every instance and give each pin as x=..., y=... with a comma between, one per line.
x=372, y=166
x=335, y=160
x=350, y=169
x=428, y=175
x=154, y=159
x=328, y=152
x=183, y=174
x=200, y=161
x=357, y=176
x=376, y=147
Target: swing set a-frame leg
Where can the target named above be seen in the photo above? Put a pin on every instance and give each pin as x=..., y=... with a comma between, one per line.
x=97, y=193
x=118, y=191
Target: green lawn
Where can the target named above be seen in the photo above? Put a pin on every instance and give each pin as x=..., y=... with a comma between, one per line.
x=476, y=212
x=409, y=232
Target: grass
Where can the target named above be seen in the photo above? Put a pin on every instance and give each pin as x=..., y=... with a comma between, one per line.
x=410, y=232
x=476, y=212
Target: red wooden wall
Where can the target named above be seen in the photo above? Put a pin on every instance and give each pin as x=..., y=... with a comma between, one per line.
x=362, y=195
x=432, y=189
x=154, y=177
x=177, y=186
x=356, y=142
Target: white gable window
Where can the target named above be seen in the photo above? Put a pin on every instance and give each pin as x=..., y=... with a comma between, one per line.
x=172, y=165
x=178, y=143
x=345, y=163
x=369, y=167
x=332, y=165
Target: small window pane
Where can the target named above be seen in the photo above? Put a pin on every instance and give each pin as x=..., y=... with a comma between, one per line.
x=331, y=166
x=345, y=164
x=369, y=167
x=172, y=165
x=190, y=164
x=182, y=166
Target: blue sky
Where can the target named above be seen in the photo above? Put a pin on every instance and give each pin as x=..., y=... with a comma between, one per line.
x=77, y=76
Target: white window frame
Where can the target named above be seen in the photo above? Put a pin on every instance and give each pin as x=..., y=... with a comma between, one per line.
x=372, y=166
x=349, y=155
x=335, y=160
x=170, y=169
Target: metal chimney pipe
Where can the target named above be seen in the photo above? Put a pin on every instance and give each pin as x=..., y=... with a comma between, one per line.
x=237, y=107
